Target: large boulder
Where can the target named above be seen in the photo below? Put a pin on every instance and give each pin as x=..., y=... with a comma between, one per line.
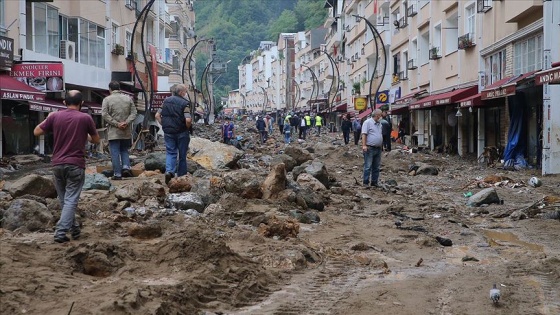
x=288, y=161
x=307, y=198
x=243, y=182
x=185, y=201
x=152, y=188
x=30, y=214
x=423, y=169
x=209, y=189
x=306, y=180
x=32, y=185
x=275, y=182
x=96, y=181
x=299, y=155
x=155, y=161
x=485, y=196
x=214, y=155
x=128, y=192
x=318, y=170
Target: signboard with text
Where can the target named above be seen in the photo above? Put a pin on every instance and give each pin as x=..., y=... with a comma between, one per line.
x=6, y=52
x=158, y=99
x=45, y=77
x=550, y=76
x=360, y=103
x=498, y=92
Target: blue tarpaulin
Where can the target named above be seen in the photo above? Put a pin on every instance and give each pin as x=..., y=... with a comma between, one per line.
x=516, y=142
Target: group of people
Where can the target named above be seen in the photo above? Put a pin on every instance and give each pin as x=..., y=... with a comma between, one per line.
x=72, y=129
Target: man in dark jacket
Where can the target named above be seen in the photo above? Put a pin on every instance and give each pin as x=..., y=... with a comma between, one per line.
x=387, y=128
x=175, y=121
x=346, y=126
x=261, y=127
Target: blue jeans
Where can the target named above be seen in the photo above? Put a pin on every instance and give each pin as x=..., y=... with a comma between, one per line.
x=119, y=155
x=287, y=137
x=68, y=180
x=176, y=145
x=372, y=162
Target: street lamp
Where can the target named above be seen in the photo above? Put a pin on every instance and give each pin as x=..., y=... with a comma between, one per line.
x=334, y=67
x=378, y=41
x=314, y=80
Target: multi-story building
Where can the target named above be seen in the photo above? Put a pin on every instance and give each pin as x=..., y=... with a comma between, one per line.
x=60, y=45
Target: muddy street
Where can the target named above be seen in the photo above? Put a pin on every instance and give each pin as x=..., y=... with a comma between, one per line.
x=276, y=229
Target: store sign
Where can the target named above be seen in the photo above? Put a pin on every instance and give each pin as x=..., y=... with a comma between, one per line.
x=551, y=76
x=45, y=77
x=158, y=99
x=360, y=103
x=6, y=52
x=382, y=97
x=467, y=103
x=502, y=91
x=42, y=108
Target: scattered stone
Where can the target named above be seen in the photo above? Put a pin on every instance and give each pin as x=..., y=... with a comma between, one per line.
x=192, y=213
x=361, y=247
x=307, y=180
x=469, y=258
x=152, y=188
x=231, y=223
x=444, y=241
x=213, y=209
x=420, y=168
x=32, y=184
x=485, y=196
x=281, y=228
x=214, y=155
x=96, y=181
x=391, y=182
x=275, y=182
x=184, y=201
x=318, y=170
x=310, y=199
x=128, y=192
x=180, y=184
x=155, y=161
x=298, y=154
x=28, y=214
x=145, y=231
x=312, y=216
x=288, y=161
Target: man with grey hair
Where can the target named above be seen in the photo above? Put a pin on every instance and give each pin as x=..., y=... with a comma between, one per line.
x=175, y=120
x=372, y=142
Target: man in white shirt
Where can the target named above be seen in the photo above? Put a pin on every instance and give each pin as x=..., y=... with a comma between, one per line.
x=372, y=142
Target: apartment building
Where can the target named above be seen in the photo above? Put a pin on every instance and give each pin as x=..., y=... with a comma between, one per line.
x=60, y=45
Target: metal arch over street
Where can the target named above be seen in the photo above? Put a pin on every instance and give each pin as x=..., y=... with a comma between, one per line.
x=314, y=80
x=334, y=67
x=378, y=42
x=188, y=59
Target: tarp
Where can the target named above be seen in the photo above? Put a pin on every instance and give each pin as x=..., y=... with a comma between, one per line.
x=517, y=142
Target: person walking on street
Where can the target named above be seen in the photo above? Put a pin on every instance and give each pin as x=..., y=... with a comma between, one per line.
x=302, y=127
x=372, y=142
x=287, y=133
x=227, y=130
x=71, y=130
x=387, y=128
x=294, y=122
x=261, y=127
x=119, y=112
x=346, y=126
x=357, y=127
x=280, y=123
x=176, y=122
x=318, y=123
x=308, y=125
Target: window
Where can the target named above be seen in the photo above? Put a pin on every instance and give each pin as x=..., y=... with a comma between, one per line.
x=91, y=44
x=470, y=22
x=396, y=16
x=495, y=66
x=405, y=59
x=451, y=34
x=423, y=46
x=43, y=29
x=413, y=51
x=114, y=34
x=396, y=64
x=528, y=55
x=436, y=41
x=128, y=40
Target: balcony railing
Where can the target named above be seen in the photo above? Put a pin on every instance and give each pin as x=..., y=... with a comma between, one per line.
x=465, y=41
x=434, y=53
x=411, y=10
x=411, y=64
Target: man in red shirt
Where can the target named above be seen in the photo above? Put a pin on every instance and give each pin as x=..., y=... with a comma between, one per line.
x=71, y=130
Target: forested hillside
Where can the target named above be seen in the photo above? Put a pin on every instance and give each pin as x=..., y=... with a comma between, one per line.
x=238, y=26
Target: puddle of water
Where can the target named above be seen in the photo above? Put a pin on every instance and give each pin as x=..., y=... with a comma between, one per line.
x=495, y=237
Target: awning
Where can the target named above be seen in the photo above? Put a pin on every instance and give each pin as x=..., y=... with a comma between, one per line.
x=504, y=87
x=12, y=89
x=95, y=108
x=409, y=97
x=341, y=107
x=364, y=113
x=446, y=98
x=473, y=100
x=398, y=110
x=550, y=76
x=46, y=106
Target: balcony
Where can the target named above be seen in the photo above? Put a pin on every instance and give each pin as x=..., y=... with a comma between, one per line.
x=411, y=10
x=411, y=64
x=465, y=41
x=403, y=75
x=434, y=53
x=117, y=50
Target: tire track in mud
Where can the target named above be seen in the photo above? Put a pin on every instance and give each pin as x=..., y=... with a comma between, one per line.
x=315, y=292
x=550, y=293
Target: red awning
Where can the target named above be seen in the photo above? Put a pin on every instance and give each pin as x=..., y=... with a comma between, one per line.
x=473, y=100
x=550, y=76
x=409, y=97
x=46, y=106
x=12, y=89
x=504, y=87
x=364, y=113
x=446, y=98
x=398, y=110
x=341, y=107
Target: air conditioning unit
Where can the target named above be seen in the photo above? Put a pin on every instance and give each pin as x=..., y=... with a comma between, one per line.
x=68, y=50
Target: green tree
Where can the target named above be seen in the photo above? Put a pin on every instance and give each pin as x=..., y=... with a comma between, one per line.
x=286, y=23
